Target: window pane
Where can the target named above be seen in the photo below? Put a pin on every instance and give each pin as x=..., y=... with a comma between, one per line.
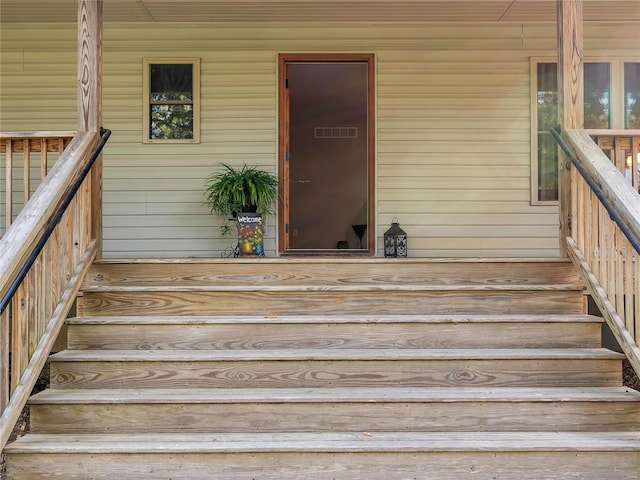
x=547, y=113
x=171, y=121
x=171, y=101
x=632, y=95
x=547, y=96
x=173, y=80
x=597, y=111
x=547, y=168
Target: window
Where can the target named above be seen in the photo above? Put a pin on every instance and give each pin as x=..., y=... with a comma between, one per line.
x=611, y=100
x=631, y=95
x=171, y=100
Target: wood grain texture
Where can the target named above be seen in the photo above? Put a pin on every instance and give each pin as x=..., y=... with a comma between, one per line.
x=338, y=388
x=612, y=183
x=327, y=271
x=4, y=360
x=353, y=302
x=570, y=100
x=424, y=457
x=335, y=409
x=333, y=442
x=292, y=417
x=303, y=286
x=626, y=340
x=26, y=377
x=319, y=332
x=45, y=296
x=19, y=240
x=328, y=372
x=90, y=101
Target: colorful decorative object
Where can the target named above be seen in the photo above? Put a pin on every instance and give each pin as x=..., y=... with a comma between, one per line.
x=250, y=233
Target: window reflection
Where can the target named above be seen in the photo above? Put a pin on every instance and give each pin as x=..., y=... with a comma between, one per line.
x=597, y=111
x=632, y=95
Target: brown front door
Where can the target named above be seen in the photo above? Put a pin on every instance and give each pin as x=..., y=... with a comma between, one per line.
x=326, y=154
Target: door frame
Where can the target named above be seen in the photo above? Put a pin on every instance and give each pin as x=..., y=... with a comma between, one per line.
x=283, y=146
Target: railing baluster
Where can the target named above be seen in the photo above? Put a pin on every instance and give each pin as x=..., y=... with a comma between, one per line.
x=44, y=151
x=18, y=343
x=601, y=245
x=9, y=185
x=26, y=174
x=5, y=388
x=635, y=157
x=618, y=154
x=612, y=259
x=636, y=291
x=619, y=268
x=579, y=208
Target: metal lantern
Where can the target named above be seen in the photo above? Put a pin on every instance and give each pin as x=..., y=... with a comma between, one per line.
x=395, y=241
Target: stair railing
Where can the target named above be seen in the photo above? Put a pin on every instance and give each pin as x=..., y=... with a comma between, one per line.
x=605, y=234
x=19, y=151
x=44, y=256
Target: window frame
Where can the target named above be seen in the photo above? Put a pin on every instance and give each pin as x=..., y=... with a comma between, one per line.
x=616, y=85
x=146, y=104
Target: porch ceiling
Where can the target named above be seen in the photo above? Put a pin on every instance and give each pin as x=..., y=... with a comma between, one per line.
x=519, y=11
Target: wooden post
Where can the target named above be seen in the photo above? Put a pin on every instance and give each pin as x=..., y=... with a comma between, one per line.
x=570, y=101
x=90, y=98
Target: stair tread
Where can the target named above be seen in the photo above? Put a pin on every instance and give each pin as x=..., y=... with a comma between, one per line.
x=336, y=354
x=328, y=287
x=327, y=442
x=336, y=395
x=360, y=319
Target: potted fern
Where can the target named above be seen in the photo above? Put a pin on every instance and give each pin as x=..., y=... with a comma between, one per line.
x=245, y=194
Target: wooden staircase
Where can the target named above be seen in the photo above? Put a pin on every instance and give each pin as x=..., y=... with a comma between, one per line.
x=332, y=369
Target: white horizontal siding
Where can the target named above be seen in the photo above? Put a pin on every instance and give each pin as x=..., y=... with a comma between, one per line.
x=453, y=125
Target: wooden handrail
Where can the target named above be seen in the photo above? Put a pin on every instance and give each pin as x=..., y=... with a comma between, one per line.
x=605, y=233
x=623, y=148
x=613, y=184
x=30, y=326
x=20, y=239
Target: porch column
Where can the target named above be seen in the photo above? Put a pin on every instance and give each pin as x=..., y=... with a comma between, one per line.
x=570, y=100
x=90, y=97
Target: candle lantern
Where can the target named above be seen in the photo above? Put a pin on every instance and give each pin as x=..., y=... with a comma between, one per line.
x=395, y=241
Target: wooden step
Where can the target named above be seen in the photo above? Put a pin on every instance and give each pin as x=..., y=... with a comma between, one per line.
x=329, y=455
x=329, y=271
x=312, y=299
x=335, y=331
x=335, y=409
x=315, y=368
x=334, y=368
x=284, y=286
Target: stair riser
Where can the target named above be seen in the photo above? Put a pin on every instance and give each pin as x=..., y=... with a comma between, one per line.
x=331, y=302
x=347, y=417
x=421, y=465
x=332, y=272
x=328, y=373
x=364, y=335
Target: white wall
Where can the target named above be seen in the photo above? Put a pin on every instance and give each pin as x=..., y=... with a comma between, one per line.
x=453, y=125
